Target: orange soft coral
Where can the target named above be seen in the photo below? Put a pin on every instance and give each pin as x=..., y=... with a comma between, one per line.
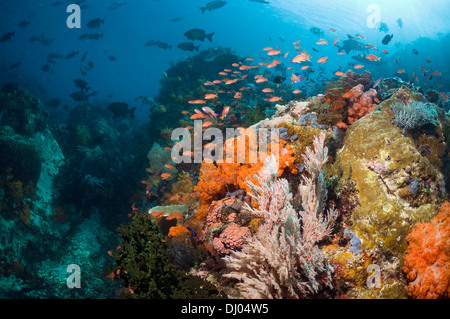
x=178, y=230
x=218, y=178
x=427, y=260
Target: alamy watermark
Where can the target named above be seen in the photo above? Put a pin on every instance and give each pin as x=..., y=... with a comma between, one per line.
x=74, y=279
x=374, y=280
x=374, y=19
x=74, y=19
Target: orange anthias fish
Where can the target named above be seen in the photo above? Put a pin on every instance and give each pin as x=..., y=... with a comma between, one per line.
x=401, y=71
x=273, y=64
x=169, y=166
x=268, y=90
x=209, y=111
x=165, y=176
x=275, y=99
x=372, y=57
x=196, y=116
x=339, y=73
x=210, y=96
x=157, y=214
x=304, y=56
x=209, y=145
x=295, y=78
x=174, y=215
x=228, y=82
x=225, y=111
x=359, y=66
x=323, y=60
x=385, y=51
x=274, y=52
x=175, y=197
x=296, y=91
x=347, y=95
x=196, y=102
x=322, y=42
x=261, y=79
x=377, y=82
x=207, y=124
x=444, y=96
x=335, y=41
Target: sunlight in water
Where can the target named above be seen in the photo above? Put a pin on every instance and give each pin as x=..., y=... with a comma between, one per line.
x=419, y=18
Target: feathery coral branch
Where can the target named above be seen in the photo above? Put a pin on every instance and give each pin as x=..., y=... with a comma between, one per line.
x=283, y=260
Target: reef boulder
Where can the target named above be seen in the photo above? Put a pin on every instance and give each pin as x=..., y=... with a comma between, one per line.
x=22, y=111
x=19, y=156
x=397, y=184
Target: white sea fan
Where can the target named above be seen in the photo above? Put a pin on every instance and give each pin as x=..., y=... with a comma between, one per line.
x=283, y=260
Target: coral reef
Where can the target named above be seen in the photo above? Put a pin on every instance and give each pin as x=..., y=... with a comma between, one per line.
x=20, y=156
x=58, y=195
x=334, y=96
x=356, y=79
x=217, y=179
x=396, y=185
x=362, y=103
x=232, y=238
x=384, y=163
x=22, y=111
x=287, y=113
x=182, y=82
x=350, y=102
x=348, y=209
x=301, y=137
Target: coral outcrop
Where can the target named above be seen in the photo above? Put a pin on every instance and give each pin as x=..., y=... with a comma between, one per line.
x=22, y=111
x=384, y=163
x=20, y=155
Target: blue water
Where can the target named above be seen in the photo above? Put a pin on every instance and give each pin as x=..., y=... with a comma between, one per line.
x=245, y=26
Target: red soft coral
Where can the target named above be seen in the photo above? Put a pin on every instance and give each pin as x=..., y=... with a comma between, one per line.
x=232, y=238
x=427, y=260
x=362, y=103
